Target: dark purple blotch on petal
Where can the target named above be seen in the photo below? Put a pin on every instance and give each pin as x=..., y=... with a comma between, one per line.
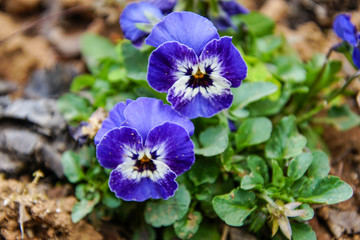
x=173, y=146
x=117, y=146
x=164, y=63
x=231, y=64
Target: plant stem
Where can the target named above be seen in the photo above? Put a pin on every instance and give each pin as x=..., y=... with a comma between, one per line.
x=328, y=100
x=342, y=89
x=316, y=81
x=267, y=199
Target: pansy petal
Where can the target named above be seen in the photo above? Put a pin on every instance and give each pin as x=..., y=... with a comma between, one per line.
x=168, y=63
x=171, y=144
x=356, y=57
x=166, y=6
x=187, y=28
x=119, y=145
x=221, y=58
x=231, y=7
x=114, y=120
x=200, y=101
x=137, y=13
x=131, y=185
x=146, y=113
x=344, y=28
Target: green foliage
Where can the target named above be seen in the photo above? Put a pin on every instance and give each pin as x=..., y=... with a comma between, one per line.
x=167, y=212
x=213, y=140
x=253, y=131
x=235, y=207
x=186, y=227
x=285, y=141
x=240, y=176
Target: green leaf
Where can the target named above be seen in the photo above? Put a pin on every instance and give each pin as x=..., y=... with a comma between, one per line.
x=327, y=190
x=82, y=81
x=251, y=92
x=299, y=165
x=214, y=140
x=320, y=166
x=117, y=75
x=111, y=201
x=259, y=166
x=302, y=231
x=144, y=232
x=200, y=175
x=257, y=23
x=135, y=61
x=278, y=175
x=166, y=212
x=309, y=214
x=186, y=227
x=74, y=107
x=267, y=107
x=206, y=232
x=252, y=181
x=94, y=48
x=235, y=206
x=285, y=141
x=343, y=118
x=267, y=45
x=239, y=113
x=82, y=208
x=80, y=191
x=290, y=69
x=71, y=164
x=253, y=131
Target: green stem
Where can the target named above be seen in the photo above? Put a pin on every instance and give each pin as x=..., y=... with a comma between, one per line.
x=267, y=199
x=342, y=89
x=315, y=82
x=328, y=100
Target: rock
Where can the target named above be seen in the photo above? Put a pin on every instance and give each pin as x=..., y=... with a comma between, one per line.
x=51, y=83
x=340, y=222
x=33, y=135
x=7, y=87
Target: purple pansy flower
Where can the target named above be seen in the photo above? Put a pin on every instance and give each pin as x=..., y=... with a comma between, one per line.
x=193, y=65
x=166, y=6
x=137, y=20
x=227, y=9
x=148, y=145
x=347, y=32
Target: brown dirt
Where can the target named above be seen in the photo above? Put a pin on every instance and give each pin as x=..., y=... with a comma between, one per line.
x=31, y=210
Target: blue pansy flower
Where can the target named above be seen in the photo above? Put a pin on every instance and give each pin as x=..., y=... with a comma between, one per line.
x=227, y=9
x=193, y=65
x=166, y=6
x=347, y=32
x=147, y=144
x=137, y=20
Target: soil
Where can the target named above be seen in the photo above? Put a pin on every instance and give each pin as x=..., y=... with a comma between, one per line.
x=39, y=35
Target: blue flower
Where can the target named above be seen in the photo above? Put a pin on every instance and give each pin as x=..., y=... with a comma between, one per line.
x=227, y=9
x=148, y=145
x=137, y=20
x=166, y=6
x=347, y=32
x=193, y=65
